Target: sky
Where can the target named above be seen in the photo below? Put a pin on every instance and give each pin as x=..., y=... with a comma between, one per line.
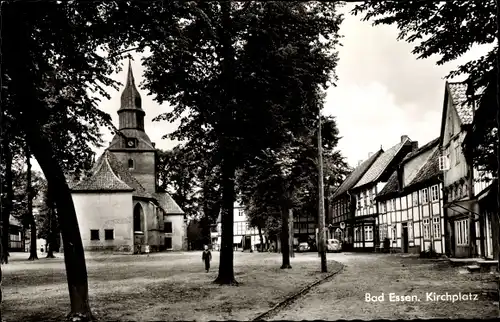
x=382, y=92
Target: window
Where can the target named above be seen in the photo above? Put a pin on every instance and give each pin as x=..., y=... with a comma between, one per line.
x=436, y=227
x=368, y=233
x=393, y=201
x=94, y=234
x=383, y=231
x=462, y=232
x=415, y=198
x=457, y=151
x=434, y=193
x=168, y=242
x=425, y=196
x=130, y=163
x=241, y=212
x=427, y=234
x=459, y=192
x=109, y=234
x=393, y=232
x=167, y=227
x=383, y=207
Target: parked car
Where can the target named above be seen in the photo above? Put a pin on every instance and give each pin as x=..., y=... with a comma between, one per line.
x=333, y=245
x=303, y=247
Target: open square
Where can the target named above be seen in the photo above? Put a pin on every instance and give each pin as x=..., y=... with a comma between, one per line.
x=161, y=286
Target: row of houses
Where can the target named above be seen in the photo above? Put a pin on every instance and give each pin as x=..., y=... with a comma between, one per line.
x=421, y=199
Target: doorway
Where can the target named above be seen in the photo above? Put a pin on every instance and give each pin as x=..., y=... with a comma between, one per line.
x=405, y=238
x=248, y=243
x=168, y=243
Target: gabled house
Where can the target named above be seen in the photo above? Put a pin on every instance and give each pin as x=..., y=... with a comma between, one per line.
x=411, y=203
x=364, y=218
x=343, y=202
x=245, y=237
x=17, y=235
x=468, y=232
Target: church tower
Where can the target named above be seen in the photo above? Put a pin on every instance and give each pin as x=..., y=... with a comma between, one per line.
x=132, y=145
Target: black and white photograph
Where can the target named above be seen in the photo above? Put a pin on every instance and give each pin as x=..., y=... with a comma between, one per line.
x=249, y=160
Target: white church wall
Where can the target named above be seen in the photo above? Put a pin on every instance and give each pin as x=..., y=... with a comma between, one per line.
x=178, y=231
x=101, y=211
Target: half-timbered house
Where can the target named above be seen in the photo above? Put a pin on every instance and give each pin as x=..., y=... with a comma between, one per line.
x=468, y=231
x=364, y=218
x=411, y=203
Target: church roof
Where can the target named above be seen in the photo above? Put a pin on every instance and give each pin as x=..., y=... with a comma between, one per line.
x=168, y=203
x=130, y=99
x=110, y=175
x=103, y=178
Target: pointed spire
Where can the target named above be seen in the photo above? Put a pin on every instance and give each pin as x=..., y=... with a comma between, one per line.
x=130, y=75
x=131, y=99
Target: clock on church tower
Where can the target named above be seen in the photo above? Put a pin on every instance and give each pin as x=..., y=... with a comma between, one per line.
x=130, y=143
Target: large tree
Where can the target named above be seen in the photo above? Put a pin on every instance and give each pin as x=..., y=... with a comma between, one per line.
x=287, y=179
x=240, y=76
x=50, y=66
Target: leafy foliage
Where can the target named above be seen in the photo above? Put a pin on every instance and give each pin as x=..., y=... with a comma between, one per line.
x=449, y=29
x=290, y=178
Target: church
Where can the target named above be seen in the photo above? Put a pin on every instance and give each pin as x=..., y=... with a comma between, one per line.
x=119, y=207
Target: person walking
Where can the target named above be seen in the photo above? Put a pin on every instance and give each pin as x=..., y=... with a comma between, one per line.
x=206, y=257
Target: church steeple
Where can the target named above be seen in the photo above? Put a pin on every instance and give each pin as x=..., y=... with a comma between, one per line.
x=131, y=113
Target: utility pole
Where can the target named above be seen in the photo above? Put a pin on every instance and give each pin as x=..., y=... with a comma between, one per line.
x=321, y=208
x=291, y=226
x=498, y=137
x=470, y=184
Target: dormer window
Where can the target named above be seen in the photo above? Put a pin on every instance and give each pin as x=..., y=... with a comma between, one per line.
x=130, y=163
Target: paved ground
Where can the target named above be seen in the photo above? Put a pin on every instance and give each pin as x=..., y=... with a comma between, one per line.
x=344, y=296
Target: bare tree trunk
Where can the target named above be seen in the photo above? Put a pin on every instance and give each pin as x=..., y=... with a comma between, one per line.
x=7, y=155
x=50, y=237
x=29, y=195
x=74, y=257
x=290, y=227
x=261, y=238
x=285, y=239
x=226, y=271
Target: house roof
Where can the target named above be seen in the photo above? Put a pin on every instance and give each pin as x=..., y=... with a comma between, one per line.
x=420, y=150
x=458, y=95
x=430, y=169
x=381, y=164
x=356, y=174
x=14, y=222
x=391, y=186
x=457, y=92
x=168, y=203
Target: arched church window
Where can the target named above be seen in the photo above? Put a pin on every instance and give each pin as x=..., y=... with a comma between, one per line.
x=138, y=215
x=130, y=163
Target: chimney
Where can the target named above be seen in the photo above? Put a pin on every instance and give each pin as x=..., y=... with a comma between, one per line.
x=404, y=138
x=414, y=146
x=370, y=154
x=359, y=162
